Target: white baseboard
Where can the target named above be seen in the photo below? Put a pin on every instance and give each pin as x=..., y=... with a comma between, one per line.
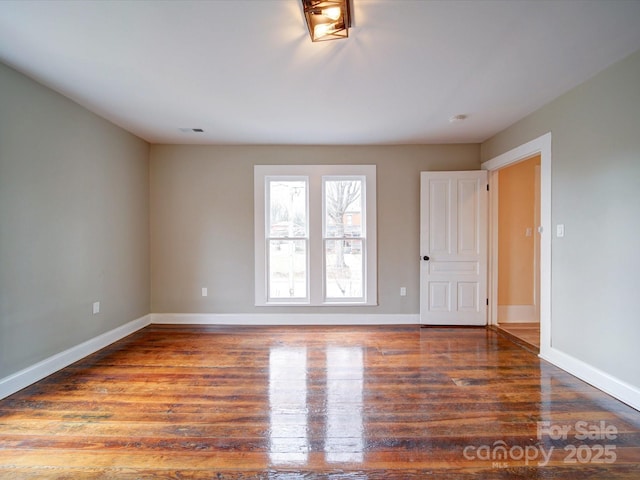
x=517, y=314
x=615, y=387
x=19, y=380
x=283, y=319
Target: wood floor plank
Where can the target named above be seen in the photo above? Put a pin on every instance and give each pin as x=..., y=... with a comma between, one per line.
x=392, y=402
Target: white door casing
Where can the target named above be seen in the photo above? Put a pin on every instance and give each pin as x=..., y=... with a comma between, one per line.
x=538, y=146
x=453, y=248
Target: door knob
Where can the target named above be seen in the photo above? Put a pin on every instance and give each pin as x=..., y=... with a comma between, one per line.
x=426, y=258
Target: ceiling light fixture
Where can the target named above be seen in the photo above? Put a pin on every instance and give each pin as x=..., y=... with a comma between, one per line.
x=327, y=19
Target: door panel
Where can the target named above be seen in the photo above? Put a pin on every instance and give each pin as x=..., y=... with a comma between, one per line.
x=453, y=236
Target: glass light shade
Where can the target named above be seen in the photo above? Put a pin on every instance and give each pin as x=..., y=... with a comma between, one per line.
x=327, y=19
x=334, y=13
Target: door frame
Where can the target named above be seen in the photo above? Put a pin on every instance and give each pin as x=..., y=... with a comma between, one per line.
x=539, y=146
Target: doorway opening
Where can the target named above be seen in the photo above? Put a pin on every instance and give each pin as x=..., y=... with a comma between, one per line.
x=518, y=193
x=538, y=306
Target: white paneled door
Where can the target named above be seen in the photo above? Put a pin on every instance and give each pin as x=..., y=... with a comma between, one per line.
x=453, y=248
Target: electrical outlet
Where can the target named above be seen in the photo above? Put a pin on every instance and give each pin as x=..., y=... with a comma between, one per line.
x=205, y=291
x=96, y=307
x=403, y=291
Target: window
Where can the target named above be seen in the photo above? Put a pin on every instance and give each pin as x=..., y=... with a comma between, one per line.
x=315, y=238
x=287, y=238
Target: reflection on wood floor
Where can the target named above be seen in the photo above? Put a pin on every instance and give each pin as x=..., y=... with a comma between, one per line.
x=529, y=333
x=316, y=402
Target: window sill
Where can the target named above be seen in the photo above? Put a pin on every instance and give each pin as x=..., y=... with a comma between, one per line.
x=324, y=304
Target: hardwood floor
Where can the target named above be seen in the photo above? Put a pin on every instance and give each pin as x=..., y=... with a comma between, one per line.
x=529, y=333
x=316, y=402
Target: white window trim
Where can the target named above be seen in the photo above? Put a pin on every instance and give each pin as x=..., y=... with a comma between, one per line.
x=316, y=263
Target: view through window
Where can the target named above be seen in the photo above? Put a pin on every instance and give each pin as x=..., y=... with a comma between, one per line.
x=315, y=234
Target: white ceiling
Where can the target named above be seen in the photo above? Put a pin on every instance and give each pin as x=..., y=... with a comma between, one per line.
x=247, y=73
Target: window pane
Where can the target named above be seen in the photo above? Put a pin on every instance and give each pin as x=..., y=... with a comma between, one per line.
x=344, y=269
x=287, y=208
x=343, y=208
x=315, y=235
x=287, y=269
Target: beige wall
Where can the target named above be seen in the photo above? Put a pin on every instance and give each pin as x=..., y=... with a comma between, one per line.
x=202, y=221
x=516, y=212
x=74, y=215
x=596, y=195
